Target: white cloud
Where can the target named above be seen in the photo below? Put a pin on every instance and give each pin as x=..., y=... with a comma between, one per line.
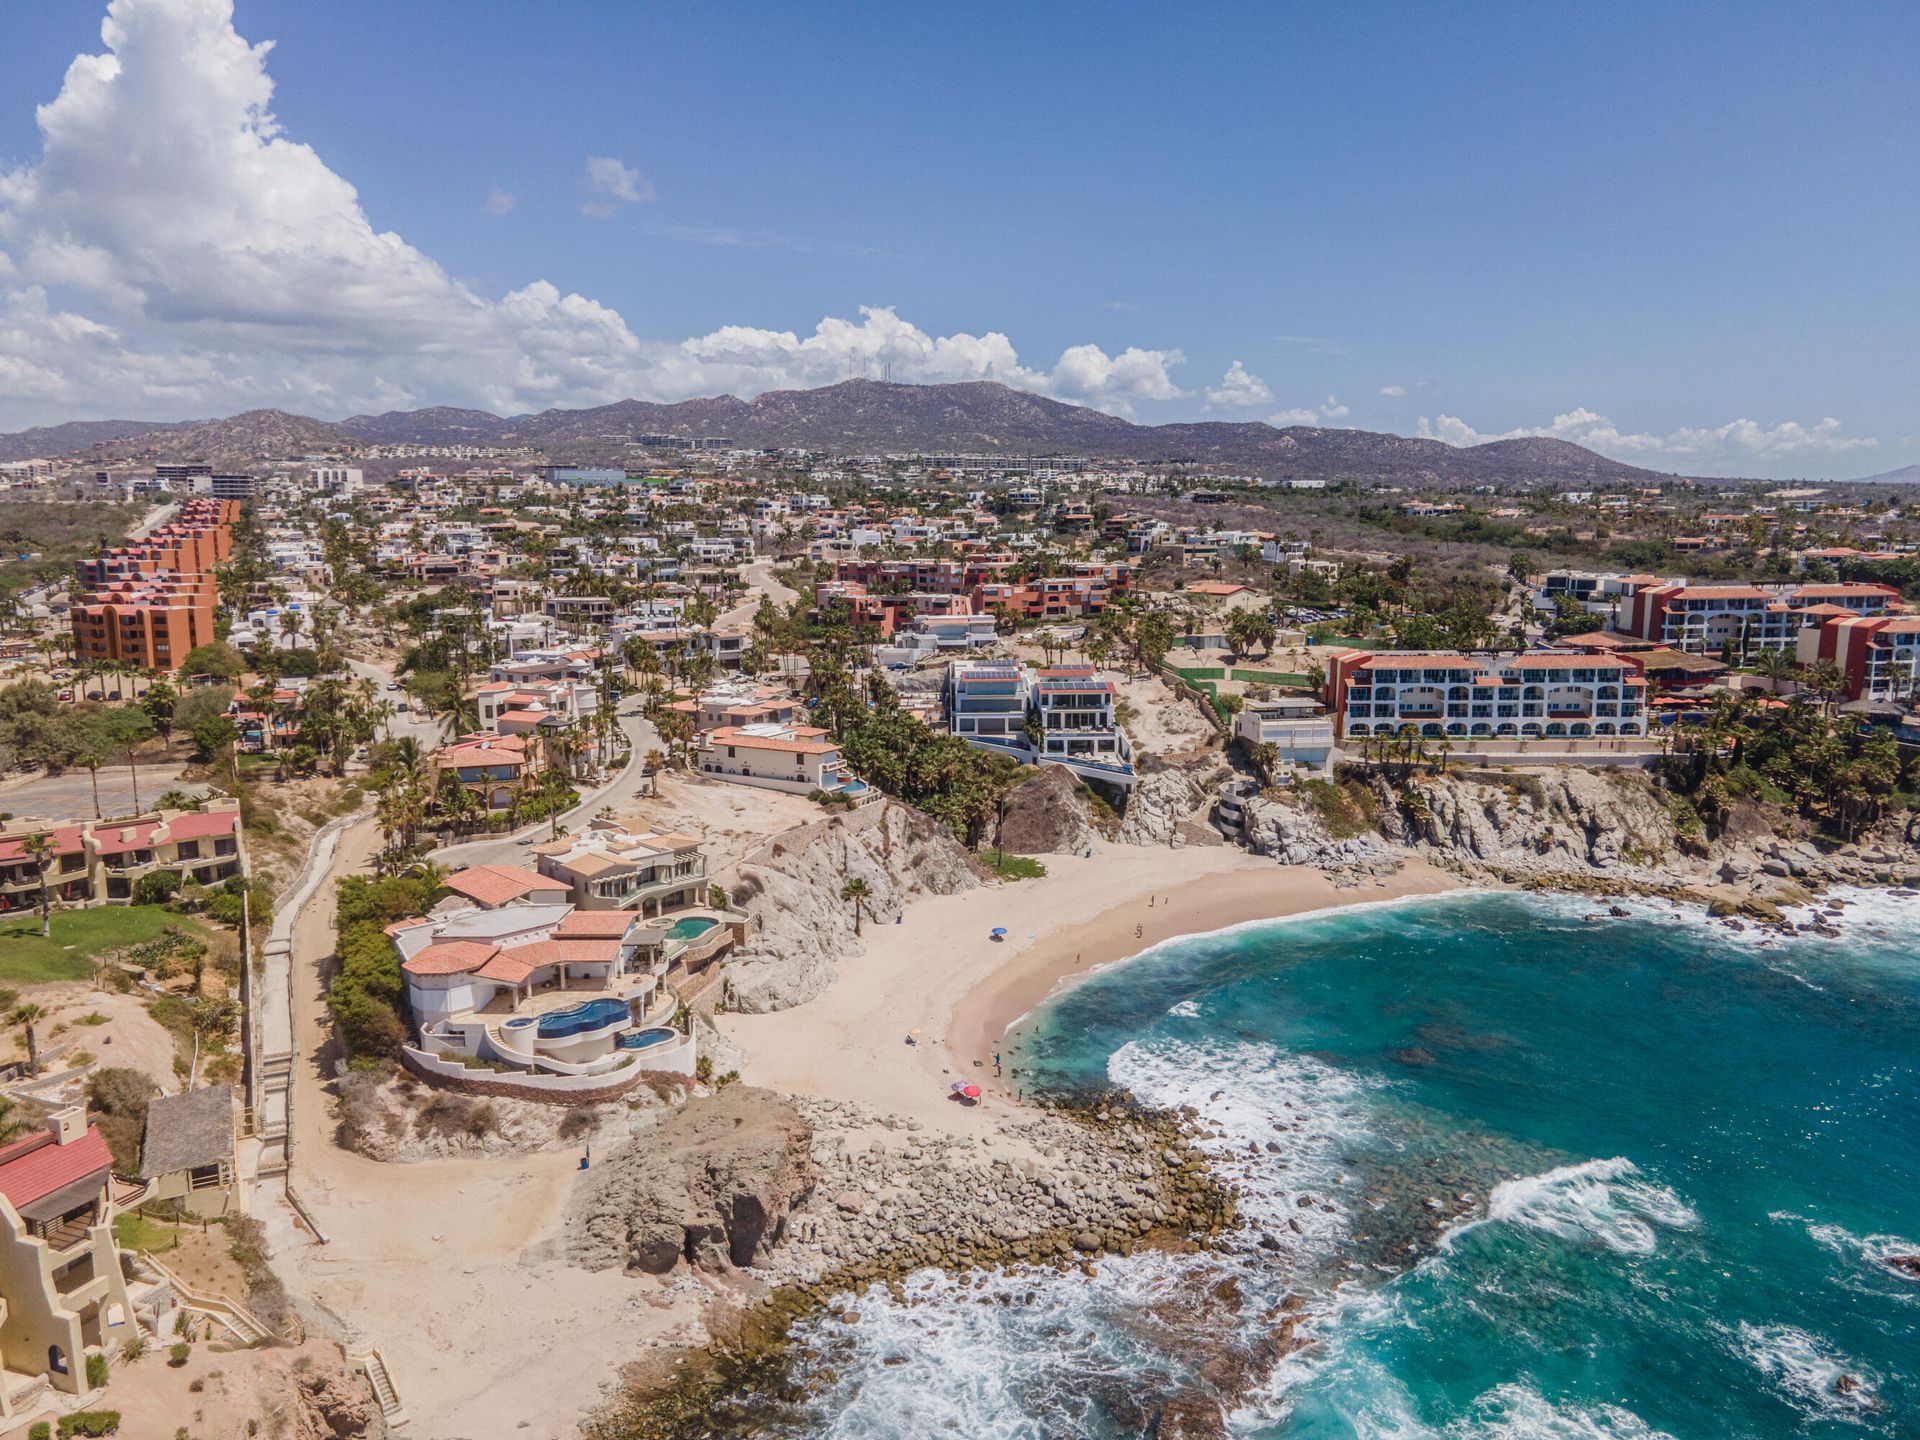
x=1238, y=390
x=611, y=184
x=1736, y=441
x=1320, y=415
x=1393, y=392
x=173, y=253
x=499, y=202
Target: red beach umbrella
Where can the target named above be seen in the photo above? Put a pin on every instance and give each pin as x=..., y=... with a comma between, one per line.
x=972, y=1092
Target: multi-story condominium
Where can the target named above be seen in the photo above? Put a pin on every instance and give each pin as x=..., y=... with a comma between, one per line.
x=97, y=862
x=152, y=623
x=1879, y=655
x=796, y=758
x=1063, y=716
x=608, y=868
x=1297, y=726
x=738, y=703
x=1602, y=593
x=62, y=1290
x=1060, y=597
x=1743, y=619
x=1442, y=693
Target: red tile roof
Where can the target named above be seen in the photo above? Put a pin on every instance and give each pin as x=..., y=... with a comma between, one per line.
x=595, y=925
x=497, y=884
x=450, y=957
x=36, y=1166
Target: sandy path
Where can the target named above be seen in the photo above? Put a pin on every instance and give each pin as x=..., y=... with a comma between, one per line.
x=939, y=972
x=431, y=1261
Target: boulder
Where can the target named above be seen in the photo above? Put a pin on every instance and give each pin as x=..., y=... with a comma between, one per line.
x=712, y=1185
x=1159, y=806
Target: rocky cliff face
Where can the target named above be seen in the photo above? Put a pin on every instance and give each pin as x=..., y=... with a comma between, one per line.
x=1295, y=834
x=1046, y=816
x=1169, y=806
x=790, y=890
x=1539, y=823
x=712, y=1186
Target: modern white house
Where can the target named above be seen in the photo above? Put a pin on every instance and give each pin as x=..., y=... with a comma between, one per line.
x=1298, y=726
x=1706, y=619
x=796, y=758
x=609, y=868
x=1059, y=716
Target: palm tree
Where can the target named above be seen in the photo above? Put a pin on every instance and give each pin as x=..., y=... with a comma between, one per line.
x=856, y=891
x=655, y=763
x=39, y=850
x=24, y=1018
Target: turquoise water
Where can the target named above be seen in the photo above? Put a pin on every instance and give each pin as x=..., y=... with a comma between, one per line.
x=1532, y=1176
x=689, y=928
x=576, y=1019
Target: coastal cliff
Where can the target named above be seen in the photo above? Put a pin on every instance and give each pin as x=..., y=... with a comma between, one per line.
x=790, y=890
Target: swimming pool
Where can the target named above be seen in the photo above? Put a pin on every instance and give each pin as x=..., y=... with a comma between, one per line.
x=593, y=1015
x=648, y=1038
x=692, y=926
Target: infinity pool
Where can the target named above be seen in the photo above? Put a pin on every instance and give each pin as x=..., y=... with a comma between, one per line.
x=687, y=929
x=651, y=1036
x=593, y=1015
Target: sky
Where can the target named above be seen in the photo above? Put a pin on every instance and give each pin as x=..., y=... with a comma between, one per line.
x=1682, y=235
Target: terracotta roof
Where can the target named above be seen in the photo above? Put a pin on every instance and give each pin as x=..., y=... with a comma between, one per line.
x=515, y=965
x=497, y=884
x=36, y=1166
x=450, y=957
x=595, y=925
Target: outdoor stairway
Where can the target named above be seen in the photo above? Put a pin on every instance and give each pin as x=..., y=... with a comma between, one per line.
x=239, y=1322
x=373, y=1365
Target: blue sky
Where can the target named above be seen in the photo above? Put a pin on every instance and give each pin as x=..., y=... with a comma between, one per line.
x=1685, y=235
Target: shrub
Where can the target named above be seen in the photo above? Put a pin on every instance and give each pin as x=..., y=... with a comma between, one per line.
x=578, y=1121
x=178, y=1353
x=156, y=887
x=96, y=1371
x=90, y=1422
x=40, y=1430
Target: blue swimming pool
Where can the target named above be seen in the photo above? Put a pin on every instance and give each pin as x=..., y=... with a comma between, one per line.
x=691, y=927
x=593, y=1015
x=651, y=1036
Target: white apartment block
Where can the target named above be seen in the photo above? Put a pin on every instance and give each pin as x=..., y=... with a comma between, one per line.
x=1447, y=694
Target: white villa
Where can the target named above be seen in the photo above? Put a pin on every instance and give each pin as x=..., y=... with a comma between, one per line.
x=796, y=758
x=991, y=702
x=608, y=868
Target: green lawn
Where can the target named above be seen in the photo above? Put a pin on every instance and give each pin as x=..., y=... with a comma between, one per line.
x=78, y=937
x=1011, y=867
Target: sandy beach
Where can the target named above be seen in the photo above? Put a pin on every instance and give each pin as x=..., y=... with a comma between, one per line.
x=938, y=971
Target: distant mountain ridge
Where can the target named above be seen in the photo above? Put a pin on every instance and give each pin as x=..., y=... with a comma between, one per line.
x=871, y=416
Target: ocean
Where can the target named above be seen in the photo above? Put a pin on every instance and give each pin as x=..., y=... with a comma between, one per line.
x=1506, y=1171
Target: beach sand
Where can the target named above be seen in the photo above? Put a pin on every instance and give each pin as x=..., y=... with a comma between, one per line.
x=940, y=973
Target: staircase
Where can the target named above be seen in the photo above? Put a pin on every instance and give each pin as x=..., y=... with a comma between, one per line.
x=238, y=1321
x=373, y=1365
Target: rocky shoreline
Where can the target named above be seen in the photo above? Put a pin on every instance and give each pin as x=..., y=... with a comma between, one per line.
x=880, y=1198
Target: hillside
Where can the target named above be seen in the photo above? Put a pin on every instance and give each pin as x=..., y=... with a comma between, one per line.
x=868, y=416
x=45, y=441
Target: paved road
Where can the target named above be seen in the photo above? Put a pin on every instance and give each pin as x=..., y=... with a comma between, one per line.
x=416, y=722
x=69, y=795
x=760, y=581
x=156, y=517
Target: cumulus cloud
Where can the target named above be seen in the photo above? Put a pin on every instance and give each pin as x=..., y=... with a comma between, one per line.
x=1735, y=441
x=499, y=202
x=1321, y=415
x=611, y=184
x=172, y=252
x=1393, y=392
x=1238, y=390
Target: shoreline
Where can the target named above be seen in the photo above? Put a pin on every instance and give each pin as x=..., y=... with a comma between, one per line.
x=1060, y=959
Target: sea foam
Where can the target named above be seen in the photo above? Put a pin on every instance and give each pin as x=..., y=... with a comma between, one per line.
x=1604, y=1202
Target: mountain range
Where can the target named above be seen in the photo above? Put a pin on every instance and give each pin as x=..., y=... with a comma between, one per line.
x=854, y=417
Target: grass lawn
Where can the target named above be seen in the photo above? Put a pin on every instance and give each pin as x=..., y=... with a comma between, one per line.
x=1011, y=867
x=78, y=937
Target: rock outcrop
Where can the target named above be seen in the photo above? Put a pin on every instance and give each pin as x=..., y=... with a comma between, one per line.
x=393, y=1116
x=1046, y=815
x=710, y=1186
x=1295, y=834
x=1160, y=807
x=1539, y=823
x=790, y=889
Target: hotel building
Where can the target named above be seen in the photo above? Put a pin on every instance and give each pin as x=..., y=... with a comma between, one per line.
x=1447, y=694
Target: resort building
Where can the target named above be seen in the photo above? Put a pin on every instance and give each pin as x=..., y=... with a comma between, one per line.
x=608, y=868
x=1298, y=726
x=1063, y=716
x=1878, y=655
x=98, y=862
x=61, y=1287
x=1743, y=619
x=1444, y=694
x=796, y=758
x=152, y=622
